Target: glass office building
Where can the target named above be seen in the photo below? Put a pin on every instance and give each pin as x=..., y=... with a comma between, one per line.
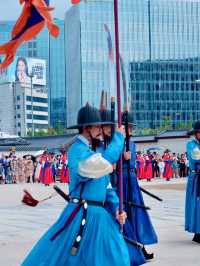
x=52, y=50
x=160, y=44
x=165, y=89
x=164, y=80
x=86, y=53
x=57, y=80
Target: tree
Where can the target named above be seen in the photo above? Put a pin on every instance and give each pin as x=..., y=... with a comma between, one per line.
x=59, y=128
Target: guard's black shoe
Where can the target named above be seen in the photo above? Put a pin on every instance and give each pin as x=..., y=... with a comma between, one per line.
x=196, y=238
x=148, y=256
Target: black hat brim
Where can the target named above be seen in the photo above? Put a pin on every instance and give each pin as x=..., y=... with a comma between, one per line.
x=91, y=124
x=130, y=124
x=193, y=131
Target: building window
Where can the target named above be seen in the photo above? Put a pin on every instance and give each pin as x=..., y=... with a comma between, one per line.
x=37, y=99
x=18, y=97
x=18, y=116
x=29, y=53
x=19, y=124
x=29, y=116
x=37, y=117
x=38, y=126
x=18, y=107
x=37, y=108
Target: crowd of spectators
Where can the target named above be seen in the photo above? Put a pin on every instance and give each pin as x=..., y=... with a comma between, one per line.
x=49, y=167
x=46, y=168
x=156, y=165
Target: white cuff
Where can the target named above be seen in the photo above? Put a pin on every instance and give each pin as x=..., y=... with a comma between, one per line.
x=94, y=167
x=195, y=154
x=109, y=186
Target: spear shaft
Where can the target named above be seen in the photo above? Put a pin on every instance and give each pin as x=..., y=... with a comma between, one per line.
x=118, y=99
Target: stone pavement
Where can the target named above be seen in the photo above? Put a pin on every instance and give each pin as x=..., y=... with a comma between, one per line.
x=21, y=226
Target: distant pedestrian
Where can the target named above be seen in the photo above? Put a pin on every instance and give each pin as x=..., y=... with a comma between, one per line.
x=175, y=167
x=182, y=165
x=161, y=166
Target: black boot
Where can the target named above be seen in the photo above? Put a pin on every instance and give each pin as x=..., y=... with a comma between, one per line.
x=196, y=238
x=148, y=256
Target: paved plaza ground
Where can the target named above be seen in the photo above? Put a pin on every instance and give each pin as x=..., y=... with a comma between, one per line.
x=21, y=226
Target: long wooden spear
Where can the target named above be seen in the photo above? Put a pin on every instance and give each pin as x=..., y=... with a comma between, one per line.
x=118, y=100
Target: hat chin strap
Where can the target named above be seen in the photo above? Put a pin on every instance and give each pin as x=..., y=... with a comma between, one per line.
x=94, y=142
x=198, y=140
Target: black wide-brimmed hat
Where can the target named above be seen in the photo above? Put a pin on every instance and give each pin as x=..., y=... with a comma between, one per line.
x=106, y=117
x=130, y=119
x=88, y=116
x=196, y=128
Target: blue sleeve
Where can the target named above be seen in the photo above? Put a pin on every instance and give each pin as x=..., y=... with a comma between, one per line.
x=76, y=154
x=133, y=154
x=189, y=148
x=112, y=201
x=115, y=148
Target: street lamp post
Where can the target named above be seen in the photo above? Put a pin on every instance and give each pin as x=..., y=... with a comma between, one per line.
x=32, y=125
x=176, y=118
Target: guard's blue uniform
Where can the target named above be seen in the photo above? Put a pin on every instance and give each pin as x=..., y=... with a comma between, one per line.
x=101, y=242
x=139, y=218
x=135, y=253
x=192, y=205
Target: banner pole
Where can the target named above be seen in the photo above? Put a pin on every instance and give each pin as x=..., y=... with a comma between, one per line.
x=118, y=99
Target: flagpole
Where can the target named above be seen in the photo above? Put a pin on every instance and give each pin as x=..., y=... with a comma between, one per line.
x=118, y=100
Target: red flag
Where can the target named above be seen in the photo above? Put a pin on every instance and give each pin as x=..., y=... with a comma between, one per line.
x=110, y=46
x=74, y=2
x=35, y=15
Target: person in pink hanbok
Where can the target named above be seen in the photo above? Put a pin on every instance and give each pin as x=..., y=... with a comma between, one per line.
x=168, y=170
x=140, y=163
x=148, y=170
x=64, y=178
x=46, y=176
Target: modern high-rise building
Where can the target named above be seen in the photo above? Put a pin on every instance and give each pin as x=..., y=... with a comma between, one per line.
x=165, y=90
x=86, y=54
x=164, y=78
x=23, y=111
x=24, y=98
x=7, y=108
x=73, y=65
x=160, y=45
x=31, y=110
x=57, y=80
x=52, y=50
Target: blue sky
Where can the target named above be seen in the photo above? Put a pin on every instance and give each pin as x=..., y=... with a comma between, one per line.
x=10, y=9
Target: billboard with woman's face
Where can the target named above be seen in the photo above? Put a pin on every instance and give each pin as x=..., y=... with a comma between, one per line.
x=23, y=68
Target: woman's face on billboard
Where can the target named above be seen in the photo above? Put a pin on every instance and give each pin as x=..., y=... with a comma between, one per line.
x=21, y=66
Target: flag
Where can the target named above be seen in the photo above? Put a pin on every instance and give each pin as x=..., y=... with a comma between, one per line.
x=112, y=78
x=74, y=2
x=122, y=67
x=110, y=46
x=35, y=15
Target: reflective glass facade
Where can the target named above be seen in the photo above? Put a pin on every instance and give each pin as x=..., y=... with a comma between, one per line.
x=94, y=54
x=161, y=89
x=57, y=93
x=52, y=50
x=164, y=76
x=160, y=44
